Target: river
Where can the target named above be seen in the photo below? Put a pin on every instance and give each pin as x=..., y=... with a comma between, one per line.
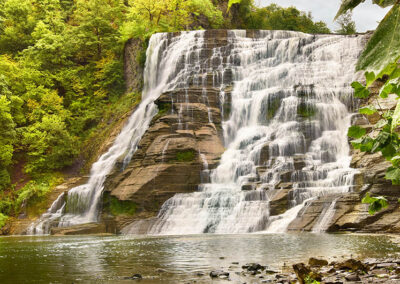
x=171, y=259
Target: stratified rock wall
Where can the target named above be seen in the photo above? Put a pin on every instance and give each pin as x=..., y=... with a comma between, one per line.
x=350, y=214
x=183, y=139
x=133, y=70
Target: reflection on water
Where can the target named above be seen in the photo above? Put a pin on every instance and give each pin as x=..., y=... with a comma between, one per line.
x=110, y=259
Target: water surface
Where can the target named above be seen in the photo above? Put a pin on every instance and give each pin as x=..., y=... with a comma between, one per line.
x=83, y=259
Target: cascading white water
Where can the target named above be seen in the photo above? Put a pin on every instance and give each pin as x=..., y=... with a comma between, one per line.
x=325, y=218
x=166, y=69
x=287, y=128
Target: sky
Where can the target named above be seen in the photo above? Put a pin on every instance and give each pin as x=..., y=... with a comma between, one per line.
x=365, y=15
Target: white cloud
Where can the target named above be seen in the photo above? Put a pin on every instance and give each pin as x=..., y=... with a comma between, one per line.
x=366, y=15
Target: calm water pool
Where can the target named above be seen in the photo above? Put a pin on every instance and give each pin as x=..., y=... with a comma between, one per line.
x=82, y=259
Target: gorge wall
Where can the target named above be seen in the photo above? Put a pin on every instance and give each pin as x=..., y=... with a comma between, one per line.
x=249, y=135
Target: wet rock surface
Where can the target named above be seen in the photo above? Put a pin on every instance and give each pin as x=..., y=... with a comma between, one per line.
x=83, y=229
x=344, y=271
x=350, y=214
x=187, y=133
x=182, y=142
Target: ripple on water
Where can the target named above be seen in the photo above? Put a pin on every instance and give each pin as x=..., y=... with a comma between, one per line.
x=180, y=258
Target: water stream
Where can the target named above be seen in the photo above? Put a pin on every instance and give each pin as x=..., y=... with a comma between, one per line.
x=172, y=259
x=286, y=133
x=286, y=130
x=165, y=70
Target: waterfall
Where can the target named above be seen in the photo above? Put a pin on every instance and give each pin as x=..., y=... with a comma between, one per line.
x=285, y=135
x=166, y=69
x=325, y=218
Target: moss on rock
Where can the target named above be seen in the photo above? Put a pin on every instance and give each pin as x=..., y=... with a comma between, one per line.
x=186, y=156
x=117, y=207
x=305, y=110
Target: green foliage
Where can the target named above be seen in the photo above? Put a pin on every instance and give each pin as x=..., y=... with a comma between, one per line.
x=384, y=46
x=3, y=220
x=272, y=107
x=118, y=207
x=111, y=120
x=346, y=24
x=356, y=132
x=387, y=141
x=49, y=145
x=163, y=109
x=61, y=73
x=7, y=139
x=146, y=17
x=306, y=111
x=368, y=110
x=274, y=17
x=360, y=91
x=348, y=5
x=376, y=204
x=142, y=55
x=6, y=205
x=186, y=156
x=383, y=49
x=232, y=2
x=35, y=190
x=381, y=57
x=61, y=64
x=310, y=280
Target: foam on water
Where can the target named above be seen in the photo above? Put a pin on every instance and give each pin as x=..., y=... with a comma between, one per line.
x=289, y=118
x=165, y=70
x=286, y=127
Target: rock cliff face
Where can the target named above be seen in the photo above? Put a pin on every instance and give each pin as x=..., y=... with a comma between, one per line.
x=349, y=214
x=168, y=160
x=133, y=69
x=182, y=142
x=185, y=140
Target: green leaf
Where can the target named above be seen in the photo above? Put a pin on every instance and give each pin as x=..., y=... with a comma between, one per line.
x=396, y=161
x=347, y=5
x=357, y=85
x=360, y=91
x=364, y=144
x=380, y=141
x=356, y=132
x=384, y=46
x=367, y=199
x=396, y=117
x=396, y=73
x=384, y=3
x=388, y=151
x=231, y=2
x=393, y=174
x=375, y=203
x=386, y=90
x=368, y=110
x=370, y=76
x=381, y=123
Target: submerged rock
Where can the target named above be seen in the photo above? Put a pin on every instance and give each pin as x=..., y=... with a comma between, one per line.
x=135, y=276
x=317, y=262
x=304, y=272
x=253, y=267
x=353, y=277
x=219, y=274
x=351, y=264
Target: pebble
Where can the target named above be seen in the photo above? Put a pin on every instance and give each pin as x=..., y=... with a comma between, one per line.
x=353, y=277
x=219, y=274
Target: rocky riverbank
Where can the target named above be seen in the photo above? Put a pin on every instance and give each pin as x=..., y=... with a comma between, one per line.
x=316, y=270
